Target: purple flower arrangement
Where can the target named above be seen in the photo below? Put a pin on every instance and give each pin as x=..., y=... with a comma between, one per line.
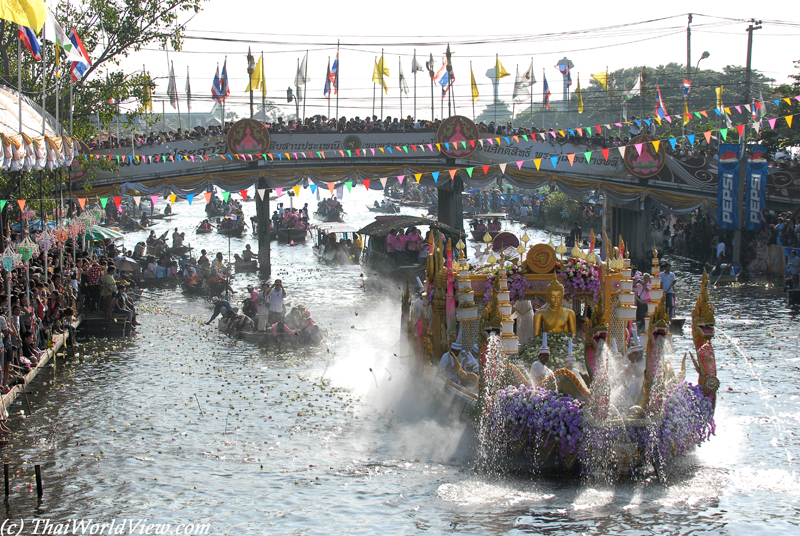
x=579, y=278
x=539, y=416
x=688, y=419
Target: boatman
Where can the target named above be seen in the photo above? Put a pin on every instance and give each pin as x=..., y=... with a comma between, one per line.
x=218, y=305
x=668, y=284
x=632, y=378
x=247, y=254
x=447, y=364
x=539, y=369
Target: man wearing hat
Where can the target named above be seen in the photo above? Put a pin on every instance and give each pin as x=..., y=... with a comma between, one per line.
x=539, y=369
x=632, y=378
x=218, y=306
x=469, y=359
x=447, y=364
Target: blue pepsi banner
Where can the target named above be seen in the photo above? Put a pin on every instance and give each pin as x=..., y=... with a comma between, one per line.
x=728, y=187
x=755, y=194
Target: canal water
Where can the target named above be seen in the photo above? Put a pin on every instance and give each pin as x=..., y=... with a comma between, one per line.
x=181, y=424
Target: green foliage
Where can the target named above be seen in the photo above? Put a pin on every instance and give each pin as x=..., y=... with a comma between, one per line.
x=556, y=202
x=783, y=136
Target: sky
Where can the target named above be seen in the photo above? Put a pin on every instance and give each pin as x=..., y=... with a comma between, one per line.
x=616, y=36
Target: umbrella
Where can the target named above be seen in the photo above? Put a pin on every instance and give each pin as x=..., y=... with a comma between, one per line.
x=102, y=233
x=126, y=264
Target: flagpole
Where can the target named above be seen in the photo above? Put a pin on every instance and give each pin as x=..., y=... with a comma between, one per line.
x=329, y=91
x=71, y=85
x=400, y=85
x=430, y=73
x=496, y=86
x=297, y=97
x=544, y=79
x=531, y=90
x=373, y=88
x=58, y=124
x=188, y=101
x=19, y=88
x=224, y=95
x=471, y=76
x=413, y=68
x=338, y=68
x=263, y=91
x=44, y=88
x=305, y=78
x=383, y=82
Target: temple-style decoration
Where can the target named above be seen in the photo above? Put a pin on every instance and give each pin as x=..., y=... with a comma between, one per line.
x=607, y=398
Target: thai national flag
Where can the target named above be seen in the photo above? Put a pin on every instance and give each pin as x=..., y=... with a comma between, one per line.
x=687, y=87
x=546, y=93
x=220, y=89
x=28, y=38
x=661, y=110
x=333, y=75
x=79, y=68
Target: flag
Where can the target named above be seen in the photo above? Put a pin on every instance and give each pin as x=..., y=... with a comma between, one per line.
x=415, y=65
x=440, y=72
x=147, y=103
x=172, y=88
x=546, y=93
x=326, y=91
x=28, y=38
x=445, y=81
x=429, y=66
x=499, y=70
x=403, y=83
x=55, y=34
x=687, y=87
x=263, y=78
x=220, y=89
x=579, y=94
x=762, y=111
x=475, y=93
x=563, y=68
x=661, y=111
x=522, y=82
x=719, y=97
x=636, y=90
x=188, y=91
x=79, y=68
x=300, y=77
x=333, y=76
x=257, y=78
x=27, y=13
x=686, y=116
x=379, y=72
x=602, y=79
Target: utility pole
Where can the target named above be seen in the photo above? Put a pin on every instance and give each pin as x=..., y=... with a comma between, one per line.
x=688, y=70
x=737, y=234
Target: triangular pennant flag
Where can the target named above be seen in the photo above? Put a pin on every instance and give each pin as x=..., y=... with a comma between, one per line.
x=154, y=199
x=672, y=142
x=278, y=191
x=400, y=178
x=727, y=110
x=656, y=144
x=747, y=107
x=383, y=182
x=207, y=195
x=226, y=196
x=704, y=114
x=519, y=164
x=418, y=176
x=491, y=141
x=605, y=153
x=638, y=147
x=365, y=182
x=435, y=176
x=554, y=160
x=190, y=198
x=571, y=158
x=453, y=174
x=621, y=149
x=172, y=198
x=331, y=187
x=588, y=156
x=772, y=123
x=724, y=133
x=260, y=192
x=117, y=201
x=738, y=109
x=502, y=167
x=296, y=191
x=697, y=114
x=313, y=188
x=589, y=131
x=788, y=120
x=349, y=185
x=580, y=132
x=485, y=169
x=136, y=199
x=537, y=162
x=740, y=129
x=690, y=137
x=707, y=134
x=2, y=204
x=21, y=203
x=82, y=202
x=788, y=101
x=103, y=201
x=243, y=193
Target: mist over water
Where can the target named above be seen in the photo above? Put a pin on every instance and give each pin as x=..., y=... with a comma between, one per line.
x=181, y=424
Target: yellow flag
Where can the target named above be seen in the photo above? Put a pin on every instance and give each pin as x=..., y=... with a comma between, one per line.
x=474, y=86
x=500, y=70
x=686, y=115
x=719, y=97
x=256, y=80
x=58, y=62
x=602, y=79
x=378, y=73
x=30, y=13
x=263, y=78
x=579, y=94
x=147, y=103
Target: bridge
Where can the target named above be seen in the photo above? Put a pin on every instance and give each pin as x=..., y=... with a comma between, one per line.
x=632, y=178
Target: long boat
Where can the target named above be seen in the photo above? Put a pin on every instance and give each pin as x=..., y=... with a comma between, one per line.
x=308, y=337
x=478, y=236
x=287, y=236
x=577, y=418
x=323, y=234
x=332, y=216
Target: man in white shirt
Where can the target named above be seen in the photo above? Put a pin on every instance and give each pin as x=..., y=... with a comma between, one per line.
x=668, y=284
x=276, y=295
x=721, y=251
x=539, y=369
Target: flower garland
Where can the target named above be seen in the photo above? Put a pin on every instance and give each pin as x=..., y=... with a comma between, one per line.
x=558, y=344
x=579, y=278
x=539, y=416
x=688, y=419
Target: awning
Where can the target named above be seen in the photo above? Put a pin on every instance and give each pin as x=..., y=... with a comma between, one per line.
x=102, y=233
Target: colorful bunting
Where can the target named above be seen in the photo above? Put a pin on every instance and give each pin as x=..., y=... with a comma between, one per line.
x=172, y=199
x=278, y=192
x=154, y=200
x=103, y=202
x=207, y=195
x=136, y=199
x=190, y=198
x=537, y=162
x=554, y=160
x=21, y=203
x=243, y=193
x=435, y=177
x=226, y=196
x=117, y=201
x=365, y=182
x=81, y=202
x=571, y=158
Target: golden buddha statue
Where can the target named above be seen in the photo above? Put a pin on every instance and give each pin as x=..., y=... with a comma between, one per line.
x=554, y=317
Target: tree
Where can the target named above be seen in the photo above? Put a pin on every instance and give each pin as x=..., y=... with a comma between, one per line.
x=782, y=136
